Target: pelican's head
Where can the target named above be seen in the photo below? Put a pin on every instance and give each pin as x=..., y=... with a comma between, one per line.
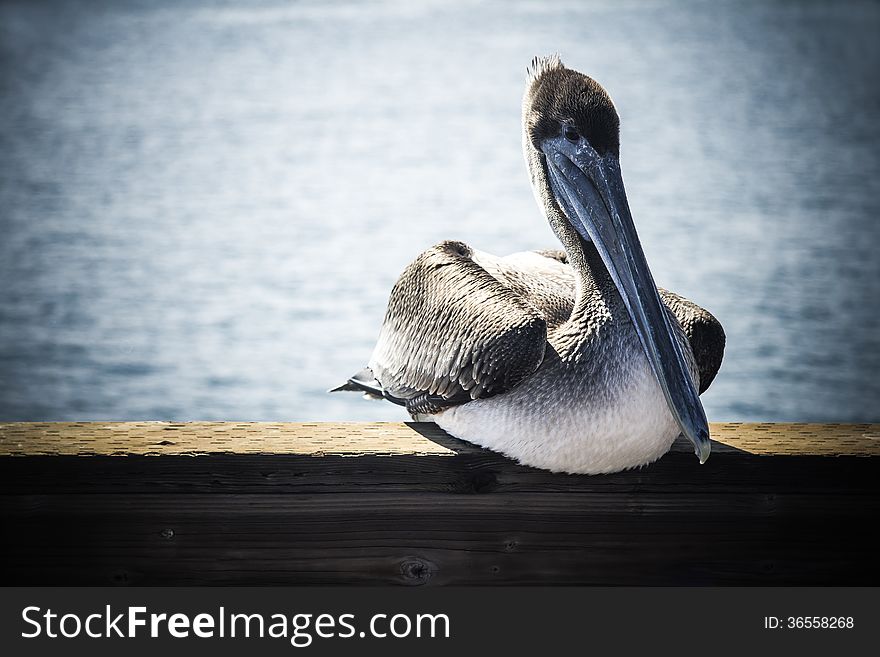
x=571, y=140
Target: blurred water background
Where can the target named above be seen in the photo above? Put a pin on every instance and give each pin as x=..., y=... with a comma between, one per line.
x=203, y=206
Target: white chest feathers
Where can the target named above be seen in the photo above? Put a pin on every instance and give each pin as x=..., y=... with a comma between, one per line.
x=574, y=418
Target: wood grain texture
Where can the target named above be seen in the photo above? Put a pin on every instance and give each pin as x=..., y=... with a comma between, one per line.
x=287, y=504
x=374, y=438
x=200, y=438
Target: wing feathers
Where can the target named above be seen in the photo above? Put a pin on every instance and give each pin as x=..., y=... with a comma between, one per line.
x=452, y=327
x=703, y=331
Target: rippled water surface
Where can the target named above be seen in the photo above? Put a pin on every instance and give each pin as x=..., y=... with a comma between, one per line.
x=203, y=207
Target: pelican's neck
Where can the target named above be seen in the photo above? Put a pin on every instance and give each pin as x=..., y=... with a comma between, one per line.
x=596, y=297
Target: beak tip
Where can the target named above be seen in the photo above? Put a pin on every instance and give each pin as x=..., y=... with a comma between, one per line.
x=703, y=446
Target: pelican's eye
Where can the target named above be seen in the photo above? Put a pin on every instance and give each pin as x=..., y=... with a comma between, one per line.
x=571, y=134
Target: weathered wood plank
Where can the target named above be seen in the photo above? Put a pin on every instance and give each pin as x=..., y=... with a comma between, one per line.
x=441, y=539
x=474, y=473
x=374, y=438
x=419, y=507
x=201, y=438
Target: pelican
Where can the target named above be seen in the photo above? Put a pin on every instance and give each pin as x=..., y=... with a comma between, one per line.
x=571, y=361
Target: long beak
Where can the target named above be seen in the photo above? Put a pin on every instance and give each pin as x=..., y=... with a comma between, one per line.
x=589, y=189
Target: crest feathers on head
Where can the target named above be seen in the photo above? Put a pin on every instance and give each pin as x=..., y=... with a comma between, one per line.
x=541, y=65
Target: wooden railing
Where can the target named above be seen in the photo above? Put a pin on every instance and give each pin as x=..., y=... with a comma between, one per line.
x=384, y=503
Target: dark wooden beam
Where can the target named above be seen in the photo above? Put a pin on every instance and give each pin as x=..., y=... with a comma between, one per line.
x=383, y=503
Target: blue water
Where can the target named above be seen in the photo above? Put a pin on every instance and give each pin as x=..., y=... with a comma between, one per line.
x=203, y=207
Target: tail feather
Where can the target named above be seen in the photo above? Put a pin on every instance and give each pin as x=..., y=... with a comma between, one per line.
x=348, y=386
x=365, y=382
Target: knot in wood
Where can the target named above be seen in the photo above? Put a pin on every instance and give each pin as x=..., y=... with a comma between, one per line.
x=416, y=571
x=120, y=577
